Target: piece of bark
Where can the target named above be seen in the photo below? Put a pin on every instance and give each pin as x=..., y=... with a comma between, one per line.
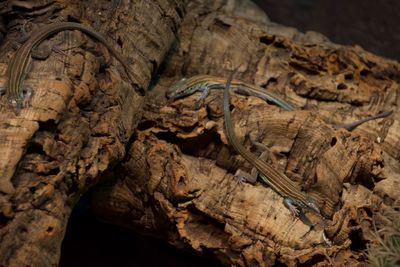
x=174, y=182
x=83, y=113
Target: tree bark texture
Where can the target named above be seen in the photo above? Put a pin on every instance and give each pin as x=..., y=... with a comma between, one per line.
x=173, y=178
x=83, y=113
x=180, y=167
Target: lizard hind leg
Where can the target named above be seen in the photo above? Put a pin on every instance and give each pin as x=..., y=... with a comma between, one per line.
x=251, y=177
x=44, y=50
x=266, y=154
x=243, y=176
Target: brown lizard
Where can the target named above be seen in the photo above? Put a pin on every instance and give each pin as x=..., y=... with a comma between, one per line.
x=17, y=69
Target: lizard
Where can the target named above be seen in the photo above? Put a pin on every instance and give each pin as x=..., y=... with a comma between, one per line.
x=294, y=199
x=204, y=83
x=17, y=68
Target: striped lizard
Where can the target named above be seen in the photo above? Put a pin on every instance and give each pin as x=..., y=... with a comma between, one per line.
x=17, y=68
x=204, y=83
x=294, y=199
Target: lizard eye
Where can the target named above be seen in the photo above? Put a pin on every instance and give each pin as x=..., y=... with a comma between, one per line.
x=311, y=204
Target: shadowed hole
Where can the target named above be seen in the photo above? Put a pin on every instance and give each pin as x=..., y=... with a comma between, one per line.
x=333, y=141
x=341, y=86
x=364, y=72
x=35, y=148
x=357, y=241
x=317, y=258
x=266, y=40
x=349, y=76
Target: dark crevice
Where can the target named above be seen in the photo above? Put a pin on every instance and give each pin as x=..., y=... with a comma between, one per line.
x=72, y=19
x=271, y=82
x=267, y=40
x=357, y=242
x=102, y=69
x=380, y=163
x=3, y=220
x=348, y=76
x=199, y=218
x=154, y=67
x=365, y=72
x=279, y=44
x=364, y=178
x=119, y=41
x=54, y=171
x=48, y=126
x=278, y=264
x=118, y=246
x=315, y=259
x=130, y=141
x=85, y=106
x=196, y=146
x=35, y=148
x=333, y=141
x=368, y=212
x=145, y=125
x=341, y=86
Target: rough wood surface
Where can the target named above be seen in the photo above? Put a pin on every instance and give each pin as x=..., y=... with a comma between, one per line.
x=83, y=113
x=177, y=179
x=173, y=178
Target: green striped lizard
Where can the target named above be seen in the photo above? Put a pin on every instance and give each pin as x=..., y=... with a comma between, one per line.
x=204, y=83
x=18, y=67
x=294, y=199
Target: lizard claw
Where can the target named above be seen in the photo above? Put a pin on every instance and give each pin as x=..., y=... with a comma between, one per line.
x=240, y=180
x=292, y=207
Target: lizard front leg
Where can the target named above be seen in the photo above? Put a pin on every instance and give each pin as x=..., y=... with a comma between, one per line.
x=27, y=94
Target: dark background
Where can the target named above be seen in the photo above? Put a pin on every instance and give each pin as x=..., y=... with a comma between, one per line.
x=374, y=25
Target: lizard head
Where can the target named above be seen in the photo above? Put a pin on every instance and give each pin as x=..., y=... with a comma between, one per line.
x=178, y=90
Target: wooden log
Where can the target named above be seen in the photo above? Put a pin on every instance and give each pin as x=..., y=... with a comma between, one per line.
x=177, y=179
x=83, y=112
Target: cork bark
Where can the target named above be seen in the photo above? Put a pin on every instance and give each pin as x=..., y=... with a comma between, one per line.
x=181, y=167
x=83, y=113
x=173, y=177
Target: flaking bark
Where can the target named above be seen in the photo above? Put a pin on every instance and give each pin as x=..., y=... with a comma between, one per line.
x=180, y=167
x=83, y=113
x=174, y=180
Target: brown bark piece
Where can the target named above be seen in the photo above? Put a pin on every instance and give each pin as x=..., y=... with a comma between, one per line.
x=83, y=112
x=192, y=190
x=174, y=181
